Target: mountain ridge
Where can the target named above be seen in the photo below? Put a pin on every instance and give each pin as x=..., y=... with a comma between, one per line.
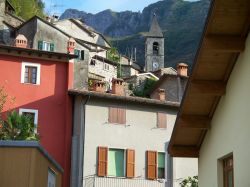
x=182, y=23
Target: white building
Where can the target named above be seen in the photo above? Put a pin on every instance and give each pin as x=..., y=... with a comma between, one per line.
x=121, y=141
x=215, y=110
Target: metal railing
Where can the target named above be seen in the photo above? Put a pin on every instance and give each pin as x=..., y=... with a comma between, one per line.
x=95, y=181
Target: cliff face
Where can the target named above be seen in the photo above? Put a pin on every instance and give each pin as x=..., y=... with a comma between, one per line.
x=182, y=23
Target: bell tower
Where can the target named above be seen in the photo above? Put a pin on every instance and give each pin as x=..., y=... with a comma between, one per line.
x=154, y=47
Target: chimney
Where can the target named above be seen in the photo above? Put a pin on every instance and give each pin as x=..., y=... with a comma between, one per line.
x=161, y=95
x=99, y=87
x=71, y=46
x=21, y=41
x=117, y=86
x=182, y=69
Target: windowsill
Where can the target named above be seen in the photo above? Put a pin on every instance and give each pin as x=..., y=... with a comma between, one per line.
x=30, y=84
x=117, y=124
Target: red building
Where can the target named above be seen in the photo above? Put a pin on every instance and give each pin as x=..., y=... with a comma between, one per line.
x=39, y=81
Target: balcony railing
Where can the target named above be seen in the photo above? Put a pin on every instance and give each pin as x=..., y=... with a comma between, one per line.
x=95, y=181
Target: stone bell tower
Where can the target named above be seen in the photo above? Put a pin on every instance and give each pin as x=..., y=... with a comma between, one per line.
x=154, y=47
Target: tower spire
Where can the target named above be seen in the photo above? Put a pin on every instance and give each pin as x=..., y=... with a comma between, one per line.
x=155, y=29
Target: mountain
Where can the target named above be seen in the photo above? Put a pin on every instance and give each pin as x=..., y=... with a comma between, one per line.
x=182, y=23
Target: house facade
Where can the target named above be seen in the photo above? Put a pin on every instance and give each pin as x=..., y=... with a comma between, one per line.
x=121, y=141
x=214, y=113
x=38, y=81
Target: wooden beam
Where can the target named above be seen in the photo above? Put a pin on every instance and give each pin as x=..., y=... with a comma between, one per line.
x=184, y=151
x=194, y=122
x=224, y=43
x=217, y=88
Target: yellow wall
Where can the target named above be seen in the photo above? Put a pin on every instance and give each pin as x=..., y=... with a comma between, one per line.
x=25, y=167
x=230, y=130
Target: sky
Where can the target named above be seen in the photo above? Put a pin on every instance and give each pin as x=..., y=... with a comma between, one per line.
x=94, y=6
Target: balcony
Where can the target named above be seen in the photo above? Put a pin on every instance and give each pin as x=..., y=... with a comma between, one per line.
x=95, y=181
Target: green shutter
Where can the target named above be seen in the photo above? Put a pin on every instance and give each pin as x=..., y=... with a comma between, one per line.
x=116, y=162
x=52, y=47
x=82, y=54
x=40, y=45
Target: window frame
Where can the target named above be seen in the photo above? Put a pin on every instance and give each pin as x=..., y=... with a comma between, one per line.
x=25, y=110
x=38, y=72
x=124, y=162
x=226, y=169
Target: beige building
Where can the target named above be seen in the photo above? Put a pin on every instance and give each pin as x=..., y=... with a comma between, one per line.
x=215, y=110
x=121, y=141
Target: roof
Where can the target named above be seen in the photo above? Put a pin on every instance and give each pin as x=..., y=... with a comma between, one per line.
x=39, y=53
x=223, y=39
x=155, y=30
x=162, y=79
x=100, y=58
x=31, y=144
x=53, y=26
x=170, y=71
x=88, y=29
x=132, y=99
x=133, y=65
x=79, y=24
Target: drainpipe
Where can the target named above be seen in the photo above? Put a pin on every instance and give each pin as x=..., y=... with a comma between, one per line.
x=83, y=139
x=78, y=141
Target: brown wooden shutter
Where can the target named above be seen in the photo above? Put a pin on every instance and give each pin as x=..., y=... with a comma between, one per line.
x=117, y=115
x=152, y=165
x=112, y=115
x=161, y=120
x=130, y=172
x=121, y=115
x=102, y=161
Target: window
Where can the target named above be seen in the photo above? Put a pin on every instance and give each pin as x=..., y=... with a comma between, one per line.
x=32, y=113
x=161, y=120
x=51, y=178
x=45, y=46
x=92, y=62
x=228, y=174
x=79, y=53
x=155, y=48
x=117, y=115
x=105, y=66
x=116, y=162
x=161, y=166
x=155, y=165
x=30, y=73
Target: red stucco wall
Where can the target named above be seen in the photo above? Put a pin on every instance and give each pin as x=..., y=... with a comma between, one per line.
x=51, y=100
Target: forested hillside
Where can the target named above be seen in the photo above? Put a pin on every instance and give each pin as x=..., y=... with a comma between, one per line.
x=28, y=8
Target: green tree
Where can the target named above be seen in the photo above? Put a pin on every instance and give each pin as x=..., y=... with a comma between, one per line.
x=113, y=54
x=28, y=8
x=148, y=85
x=190, y=182
x=18, y=127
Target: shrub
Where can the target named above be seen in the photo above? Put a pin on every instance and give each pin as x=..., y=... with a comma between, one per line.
x=18, y=127
x=190, y=182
